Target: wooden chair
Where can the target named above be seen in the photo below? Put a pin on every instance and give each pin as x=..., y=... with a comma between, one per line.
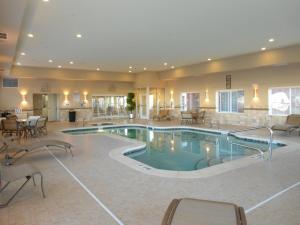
x=9, y=126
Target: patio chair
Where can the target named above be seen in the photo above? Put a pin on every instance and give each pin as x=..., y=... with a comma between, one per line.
x=10, y=174
x=292, y=123
x=186, y=117
x=31, y=126
x=188, y=211
x=41, y=126
x=22, y=150
x=9, y=126
x=163, y=114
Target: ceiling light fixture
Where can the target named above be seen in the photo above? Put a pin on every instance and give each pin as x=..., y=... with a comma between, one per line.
x=130, y=67
x=263, y=48
x=78, y=35
x=71, y=62
x=145, y=68
x=271, y=40
x=165, y=64
x=209, y=59
x=50, y=61
x=30, y=35
x=45, y=0
x=98, y=69
x=18, y=63
x=59, y=66
x=172, y=67
x=130, y=71
x=23, y=53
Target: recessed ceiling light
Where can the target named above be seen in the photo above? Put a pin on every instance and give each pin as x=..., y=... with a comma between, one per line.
x=50, y=61
x=165, y=64
x=145, y=68
x=209, y=59
x=98, y=69
x=172, y=67
x=18, y=63
x=78, y=35
x=263, y=48
x=71, y=62
x=45, y=0
x=59, y=66
x=129, y=71
x=23, y=53
x=130, y=67
x=30, y=35
x=271, y=40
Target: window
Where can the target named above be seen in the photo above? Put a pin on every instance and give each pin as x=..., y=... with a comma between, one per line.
x=231, y=101
x=284, y=101
x=189, y=101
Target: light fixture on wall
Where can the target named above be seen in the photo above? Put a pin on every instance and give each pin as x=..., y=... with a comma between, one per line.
x=66, y=101
x=85, y=97
x=24, y=101
x=206, y=96
x=171, y=99
x=255, y=93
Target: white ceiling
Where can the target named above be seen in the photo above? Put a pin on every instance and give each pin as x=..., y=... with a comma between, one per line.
x=11, y=15
x=146, y=33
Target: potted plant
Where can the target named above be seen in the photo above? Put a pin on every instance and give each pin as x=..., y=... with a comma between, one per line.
x=131, y=104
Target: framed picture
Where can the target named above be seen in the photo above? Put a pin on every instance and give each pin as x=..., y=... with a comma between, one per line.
x=228, y=81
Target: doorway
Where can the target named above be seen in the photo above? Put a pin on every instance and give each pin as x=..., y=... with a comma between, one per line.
x=46, y=105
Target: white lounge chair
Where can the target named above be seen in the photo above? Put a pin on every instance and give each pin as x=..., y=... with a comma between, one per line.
x=22, y=150
x=13, y=173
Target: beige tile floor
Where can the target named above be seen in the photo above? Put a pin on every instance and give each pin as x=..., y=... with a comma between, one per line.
x=140, y=199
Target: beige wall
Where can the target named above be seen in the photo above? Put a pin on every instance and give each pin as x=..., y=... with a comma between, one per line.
x=263, y=78
x=145, y=79
x=281, y=56
x=11, y=97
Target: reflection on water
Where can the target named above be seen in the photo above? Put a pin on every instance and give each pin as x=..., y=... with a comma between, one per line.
x=184, y=150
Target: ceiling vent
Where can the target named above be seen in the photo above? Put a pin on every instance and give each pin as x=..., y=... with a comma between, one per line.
x=3, y=36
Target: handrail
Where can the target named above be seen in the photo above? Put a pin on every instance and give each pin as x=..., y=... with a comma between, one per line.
x=247, y=146
x=270, y=148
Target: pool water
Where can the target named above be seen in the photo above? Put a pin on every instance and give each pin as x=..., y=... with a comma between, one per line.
x=183, y=149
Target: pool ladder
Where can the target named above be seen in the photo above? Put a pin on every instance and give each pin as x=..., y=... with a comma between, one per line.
x=270, y=142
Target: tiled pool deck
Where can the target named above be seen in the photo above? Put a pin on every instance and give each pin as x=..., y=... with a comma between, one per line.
x=137, y=198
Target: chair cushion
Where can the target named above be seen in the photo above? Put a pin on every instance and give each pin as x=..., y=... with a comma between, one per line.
x=196, y=212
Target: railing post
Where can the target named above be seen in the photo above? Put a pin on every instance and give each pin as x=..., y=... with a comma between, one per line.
x=270, y=143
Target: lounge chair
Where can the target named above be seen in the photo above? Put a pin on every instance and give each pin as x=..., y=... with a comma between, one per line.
x=13, y=173
x=163, y=114
x=292, y=123
x=22, y=150
x=188, y=211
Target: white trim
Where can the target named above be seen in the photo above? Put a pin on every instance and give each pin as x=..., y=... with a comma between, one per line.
x=272, y=197
x=87, y=190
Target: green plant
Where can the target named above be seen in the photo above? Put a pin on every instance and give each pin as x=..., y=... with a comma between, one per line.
x=131, y=102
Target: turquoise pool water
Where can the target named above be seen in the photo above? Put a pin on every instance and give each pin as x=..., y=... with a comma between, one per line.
x=183, y=149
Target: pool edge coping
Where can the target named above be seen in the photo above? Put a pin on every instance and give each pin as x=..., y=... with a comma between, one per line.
x=134, y=145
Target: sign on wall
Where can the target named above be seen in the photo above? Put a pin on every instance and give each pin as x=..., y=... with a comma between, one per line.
x=228, y=81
